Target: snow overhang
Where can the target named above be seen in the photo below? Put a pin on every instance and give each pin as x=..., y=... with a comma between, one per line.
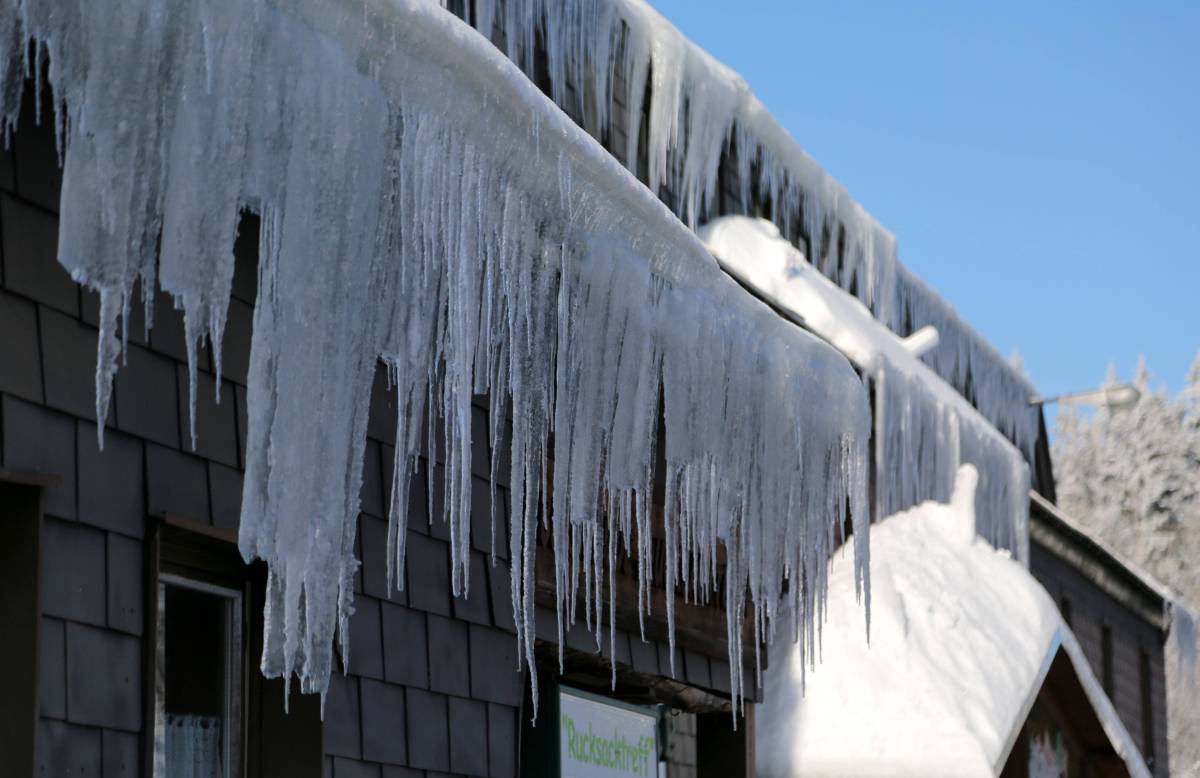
x=698, y=109
x=924, y=427
x=424, y=204
x=962, y=638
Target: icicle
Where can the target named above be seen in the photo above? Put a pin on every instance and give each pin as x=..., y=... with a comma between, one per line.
x=437, y=243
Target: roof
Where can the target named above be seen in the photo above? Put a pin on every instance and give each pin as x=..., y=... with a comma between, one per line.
x=961, y=640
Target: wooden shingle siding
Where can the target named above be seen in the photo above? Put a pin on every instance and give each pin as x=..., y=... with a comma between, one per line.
x=1092, y=611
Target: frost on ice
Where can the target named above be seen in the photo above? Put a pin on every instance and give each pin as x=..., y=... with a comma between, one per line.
x=924, y=429
x=423, y=204
x=601, y=50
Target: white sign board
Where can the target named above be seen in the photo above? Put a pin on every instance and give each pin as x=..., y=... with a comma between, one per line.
x=600, y=739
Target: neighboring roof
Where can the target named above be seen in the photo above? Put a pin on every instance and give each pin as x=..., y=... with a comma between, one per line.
x=962, y=638
x=1122, y=580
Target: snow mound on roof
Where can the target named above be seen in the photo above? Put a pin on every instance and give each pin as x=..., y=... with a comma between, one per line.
x=960, y=634
x=961, y=639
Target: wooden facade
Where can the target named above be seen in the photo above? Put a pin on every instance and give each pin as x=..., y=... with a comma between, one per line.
x=1119, y=619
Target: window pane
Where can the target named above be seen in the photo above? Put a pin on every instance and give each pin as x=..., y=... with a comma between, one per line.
x=199, y=677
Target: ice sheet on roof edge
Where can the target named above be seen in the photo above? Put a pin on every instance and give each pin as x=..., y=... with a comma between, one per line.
x=697, y=107
x=469, y=269
x=927, y=430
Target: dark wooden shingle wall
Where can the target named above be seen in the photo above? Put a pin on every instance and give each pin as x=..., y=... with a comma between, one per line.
x=1091, y=610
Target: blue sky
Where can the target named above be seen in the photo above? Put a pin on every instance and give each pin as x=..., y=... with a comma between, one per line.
x=1039, y=162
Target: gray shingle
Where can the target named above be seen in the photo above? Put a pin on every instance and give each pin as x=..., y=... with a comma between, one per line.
x=622, y=645
x=428, y=569
x=39, y=440
x=245, y=258
x=39, y=178
x=22, y=373
x=371, y=493
x=481, y=455
x=104, y=678
x=240, y=393
x=216, y=423
x=52, y=670
x=719, y=674
x=111, y=482
x=500, y=582
x=381, y=421
x=126, y=572
x=352, y=768
x=31, y=256
x=89, y=311
x=696, y=669
x=418, y=502
x=8, y=177
x=72, y=584
x=177, y=484
x=383, y=722
x=235, y=345
x=481, y=519
x=644, y=655
x=120, y=754
x=390, y=771
x=502, y=741
x=449, y=660
x=366, y=640
x=225, y=493
x=374, y=534
x=474, y=607
x=147, y=403
x=468, y=745
x=405, y=658
x=168, y=336
x=342, y=735
x=494, y=675
x=439, y=527
x=664, y=660
x=428, y=736
x=64, y=750
x=69, y=363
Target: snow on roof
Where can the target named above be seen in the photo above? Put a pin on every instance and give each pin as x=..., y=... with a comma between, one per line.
x=961, y=639
x=697, y=109
x=424, y=204
x=927, y=428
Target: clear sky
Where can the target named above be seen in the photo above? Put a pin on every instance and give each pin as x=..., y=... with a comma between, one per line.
x=1039, y=162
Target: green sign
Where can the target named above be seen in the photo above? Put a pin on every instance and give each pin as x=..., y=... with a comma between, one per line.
x=601, y=738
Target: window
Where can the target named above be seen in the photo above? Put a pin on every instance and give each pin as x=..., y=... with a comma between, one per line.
x=213, y=713
x=1146, y=683
x=198, y=683
x=20, y=531
x=1106, y=659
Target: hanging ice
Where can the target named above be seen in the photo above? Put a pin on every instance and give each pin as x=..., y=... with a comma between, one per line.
x=598, y=50
x=924, y=430
x=402, y=169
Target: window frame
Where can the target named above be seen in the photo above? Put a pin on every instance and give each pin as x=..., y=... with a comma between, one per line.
x=233, y=738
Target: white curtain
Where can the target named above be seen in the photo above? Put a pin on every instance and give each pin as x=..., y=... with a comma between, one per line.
x=193, y=747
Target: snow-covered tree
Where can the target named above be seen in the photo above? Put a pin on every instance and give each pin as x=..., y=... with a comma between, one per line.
x=1133, y=476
